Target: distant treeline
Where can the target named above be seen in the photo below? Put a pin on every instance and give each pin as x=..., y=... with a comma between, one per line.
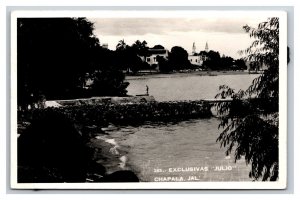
x=215, y=61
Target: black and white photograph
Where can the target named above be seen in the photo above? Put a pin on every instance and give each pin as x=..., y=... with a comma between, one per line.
x=149, y=100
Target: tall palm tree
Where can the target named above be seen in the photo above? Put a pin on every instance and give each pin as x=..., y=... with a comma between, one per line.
x=141, y=48
x=121, y=45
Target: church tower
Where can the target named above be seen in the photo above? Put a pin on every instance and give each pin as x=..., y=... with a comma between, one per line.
x=194, y=48
x=206, y=47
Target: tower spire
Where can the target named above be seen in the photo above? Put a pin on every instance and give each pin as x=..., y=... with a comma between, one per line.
x=194, y=48
x=206, y=47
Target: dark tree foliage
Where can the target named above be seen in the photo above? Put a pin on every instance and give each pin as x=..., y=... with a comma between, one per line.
x=158, y=46
x=107, y=78
x=250, y=121
x=240, y=64
x=56, y=55
x=52, y=56
x=141, y=48
x=204, y=53
x=164, y=65
x=178, y=58
x=128, y=58
x=254, y=66
x=226, y=62
x=214, y=60
x=52, y=150
x=109, y=82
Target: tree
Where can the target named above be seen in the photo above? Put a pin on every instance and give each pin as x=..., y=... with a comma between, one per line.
x=109, y=82
x=203, y=53
x=254, y=66
x=141, y=49
x=158, y=46
x=121, y=45
x=127, y=56
x=214, y=60
x=108, y=78
x=241, y=65
x=178, y=58
x=164, y=65
x=52, y=56
x=250, y=121
x=226, y=62
x=55, y=55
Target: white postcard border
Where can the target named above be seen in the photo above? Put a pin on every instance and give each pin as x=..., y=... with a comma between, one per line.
x=280, y=184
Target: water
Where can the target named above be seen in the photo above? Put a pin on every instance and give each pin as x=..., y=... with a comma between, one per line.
x=174, y=152
x=181, y=151
x=193, y=87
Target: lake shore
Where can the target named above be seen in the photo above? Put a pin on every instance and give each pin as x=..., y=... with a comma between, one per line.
x=185, y=74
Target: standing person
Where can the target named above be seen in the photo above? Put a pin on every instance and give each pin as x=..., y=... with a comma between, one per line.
x=147, y=90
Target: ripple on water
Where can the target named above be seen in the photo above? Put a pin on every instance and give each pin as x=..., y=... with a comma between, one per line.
x=185, y=144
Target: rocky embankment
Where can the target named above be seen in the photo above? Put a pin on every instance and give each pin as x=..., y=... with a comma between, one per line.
x=127, y=113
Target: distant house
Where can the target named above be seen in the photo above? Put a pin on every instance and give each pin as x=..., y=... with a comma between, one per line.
x=153, y=53
x=197, y=59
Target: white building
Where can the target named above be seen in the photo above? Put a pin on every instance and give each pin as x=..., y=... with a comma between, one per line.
x=197, y=59
x=153, y=53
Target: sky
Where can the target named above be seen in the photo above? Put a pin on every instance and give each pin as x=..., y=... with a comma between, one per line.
x=225, y=35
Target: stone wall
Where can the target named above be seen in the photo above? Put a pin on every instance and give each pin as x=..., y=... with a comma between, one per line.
x=100, y=100
x=128, y=113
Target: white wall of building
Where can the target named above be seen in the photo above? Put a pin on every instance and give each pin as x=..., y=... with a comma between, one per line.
x=196, y=60
x=151, y=60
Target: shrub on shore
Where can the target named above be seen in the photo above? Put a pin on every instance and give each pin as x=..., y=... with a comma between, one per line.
x=52, y=150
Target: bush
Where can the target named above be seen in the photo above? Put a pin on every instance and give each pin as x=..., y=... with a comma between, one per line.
x=51, y=150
